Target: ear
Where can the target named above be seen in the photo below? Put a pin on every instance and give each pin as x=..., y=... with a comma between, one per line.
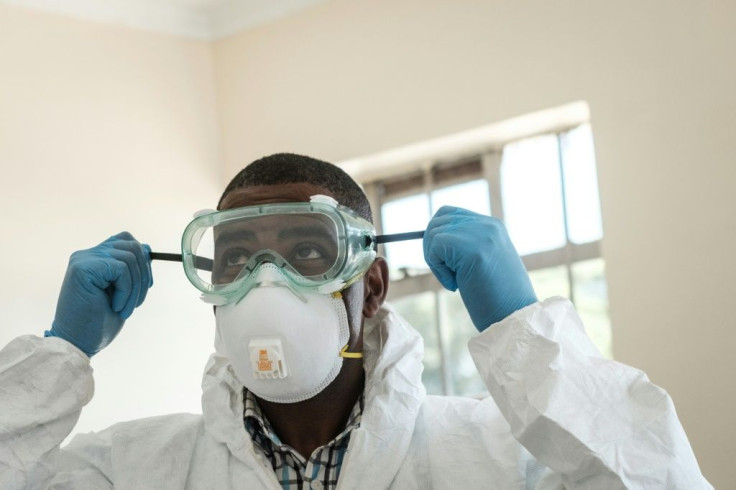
x=375, y=281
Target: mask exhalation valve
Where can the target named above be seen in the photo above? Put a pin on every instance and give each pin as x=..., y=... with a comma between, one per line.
x=267, y=358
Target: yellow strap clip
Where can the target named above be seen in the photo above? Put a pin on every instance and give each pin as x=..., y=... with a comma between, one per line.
x=351, y=355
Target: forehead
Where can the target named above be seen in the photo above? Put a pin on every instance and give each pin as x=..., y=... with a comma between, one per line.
x=279, y=226
x=270, y=194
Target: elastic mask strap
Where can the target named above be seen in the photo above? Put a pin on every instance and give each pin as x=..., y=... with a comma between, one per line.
x=350, y=355
x=344, y=351
x=352, y=281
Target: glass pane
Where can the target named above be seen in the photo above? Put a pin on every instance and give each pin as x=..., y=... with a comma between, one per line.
x=419, y=310
x=581, y=185
x=399, y=216
x=531, y=190
x=591, y=301
x=550, y=282
x=471, y=195
x=457, y=330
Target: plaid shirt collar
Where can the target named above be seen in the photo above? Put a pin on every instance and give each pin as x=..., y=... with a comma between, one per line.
x=291, y=468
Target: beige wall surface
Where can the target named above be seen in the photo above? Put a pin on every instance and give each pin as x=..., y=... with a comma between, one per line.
x=352, y=77
x=103, y=130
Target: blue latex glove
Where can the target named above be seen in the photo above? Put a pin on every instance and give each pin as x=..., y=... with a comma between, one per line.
x=474, y=253
x=101, y=288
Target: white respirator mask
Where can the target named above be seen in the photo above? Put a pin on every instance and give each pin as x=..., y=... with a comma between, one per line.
x=284, y=345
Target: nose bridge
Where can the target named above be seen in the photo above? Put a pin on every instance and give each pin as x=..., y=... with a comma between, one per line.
x=268, y=274
x=265, y=256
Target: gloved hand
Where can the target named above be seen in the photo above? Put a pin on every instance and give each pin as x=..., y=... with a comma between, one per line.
x=474, y=253
x=101, y=288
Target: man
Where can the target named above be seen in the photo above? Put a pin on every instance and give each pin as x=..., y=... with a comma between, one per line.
x=316, y=383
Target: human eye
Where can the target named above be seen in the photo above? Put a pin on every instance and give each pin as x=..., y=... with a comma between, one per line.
x=308, y=252
x=235, y=257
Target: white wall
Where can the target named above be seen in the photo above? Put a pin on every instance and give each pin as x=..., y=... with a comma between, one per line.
x=103, y=130
x=353, y=77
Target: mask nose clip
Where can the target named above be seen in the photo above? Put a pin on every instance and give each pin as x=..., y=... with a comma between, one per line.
x=268, y=274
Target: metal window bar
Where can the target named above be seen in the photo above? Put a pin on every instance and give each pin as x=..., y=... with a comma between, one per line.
x=568, y=244
x=491, y=165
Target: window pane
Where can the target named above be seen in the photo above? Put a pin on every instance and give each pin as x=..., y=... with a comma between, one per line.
x=591, y=301
x=550, y=282
x=471, y=195
x=457, y=330
x=399, y=216
x=419, y=310
x=581, y=185
x=532, y=194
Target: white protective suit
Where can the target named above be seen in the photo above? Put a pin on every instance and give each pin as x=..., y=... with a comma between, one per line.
x=560, y=416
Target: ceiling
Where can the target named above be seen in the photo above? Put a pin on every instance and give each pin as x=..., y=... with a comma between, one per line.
x=198, y=19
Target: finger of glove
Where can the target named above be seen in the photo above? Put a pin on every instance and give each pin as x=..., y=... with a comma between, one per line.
x=127, y=287
x=122, y=236
x=446, y=236
x=438, y=256
x=142, y=252
x=141, y=267
x=147, y=256
x=449, y=211
x=111, y=276
x=454, y=236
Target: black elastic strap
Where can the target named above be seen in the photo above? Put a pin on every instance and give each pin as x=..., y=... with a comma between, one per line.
x=399, y=237
x=167, y=257
x=202, y=263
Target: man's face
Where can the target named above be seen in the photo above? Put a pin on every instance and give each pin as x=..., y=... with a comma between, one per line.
x=301, y=192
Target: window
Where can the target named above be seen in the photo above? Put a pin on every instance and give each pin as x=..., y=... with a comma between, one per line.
x=544, y=188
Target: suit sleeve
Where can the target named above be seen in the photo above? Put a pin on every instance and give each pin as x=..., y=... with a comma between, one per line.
x=44, y=383
x=595, y=423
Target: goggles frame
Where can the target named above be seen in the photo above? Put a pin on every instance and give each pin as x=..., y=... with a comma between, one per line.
x=356, y=250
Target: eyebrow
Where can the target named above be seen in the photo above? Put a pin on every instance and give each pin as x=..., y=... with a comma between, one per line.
x=231, y=236
x=306, y=231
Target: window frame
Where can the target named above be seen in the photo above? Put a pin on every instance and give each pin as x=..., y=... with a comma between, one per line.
x=490, y=171
x=419, y=167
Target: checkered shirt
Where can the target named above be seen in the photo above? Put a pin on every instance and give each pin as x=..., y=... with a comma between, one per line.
x=320, y=471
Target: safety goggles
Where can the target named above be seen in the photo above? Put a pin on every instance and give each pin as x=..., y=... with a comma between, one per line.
x=317, y=246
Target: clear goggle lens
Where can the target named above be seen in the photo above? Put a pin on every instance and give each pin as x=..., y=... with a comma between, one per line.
x=305, y=244
x=318, y=245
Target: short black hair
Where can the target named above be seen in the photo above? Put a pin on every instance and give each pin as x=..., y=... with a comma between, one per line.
x=289, y=168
